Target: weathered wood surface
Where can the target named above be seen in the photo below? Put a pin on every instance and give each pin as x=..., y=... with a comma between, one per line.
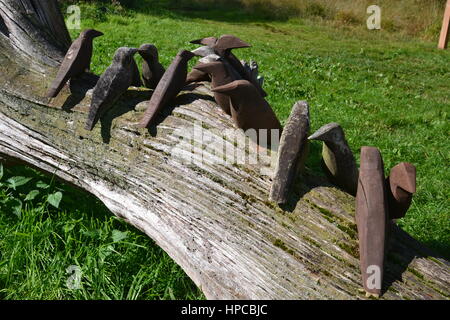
x=214, y=220
x=36, y=29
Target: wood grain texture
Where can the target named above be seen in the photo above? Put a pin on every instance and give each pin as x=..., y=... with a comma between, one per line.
x=35, y=30
x=213, y=219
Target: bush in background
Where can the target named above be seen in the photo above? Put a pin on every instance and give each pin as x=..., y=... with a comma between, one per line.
x=410, y=17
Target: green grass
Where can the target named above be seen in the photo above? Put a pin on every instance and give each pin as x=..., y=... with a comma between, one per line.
x=385, y=90
x=39, y=242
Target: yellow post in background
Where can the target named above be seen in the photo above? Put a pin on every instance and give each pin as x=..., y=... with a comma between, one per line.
x=443, y=40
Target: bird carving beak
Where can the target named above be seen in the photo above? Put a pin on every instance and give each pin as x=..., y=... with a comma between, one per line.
x=187, y=54
x=316, y=136
x=227, y=42
x=210, y=41
x=98, y=34
x=322, y=133
x=198, y=41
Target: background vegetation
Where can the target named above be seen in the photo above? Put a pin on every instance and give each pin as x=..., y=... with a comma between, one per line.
x=387, y=88
x=417, y=18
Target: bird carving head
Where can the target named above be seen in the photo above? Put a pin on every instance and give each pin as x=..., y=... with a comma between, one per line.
x=148, y=51
x=124, y=55
x=186, y=55
x=331, y=132
x=403, y=176
x=209, y=41
x=91, y=33
x=371, y=160
x=229, y=42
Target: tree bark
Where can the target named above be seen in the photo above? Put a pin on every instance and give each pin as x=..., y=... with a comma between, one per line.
x=214, y=220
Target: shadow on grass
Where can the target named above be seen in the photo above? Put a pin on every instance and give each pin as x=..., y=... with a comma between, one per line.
x=74, y=199
x=129, y=265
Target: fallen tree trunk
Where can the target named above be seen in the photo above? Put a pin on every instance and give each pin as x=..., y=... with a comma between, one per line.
x=214, y=220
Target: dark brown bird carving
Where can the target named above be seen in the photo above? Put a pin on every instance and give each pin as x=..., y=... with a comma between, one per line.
x=76, y=61
x=168, y=87
x=208, y=55
x=112, y=84
x=372, y=219
x=221, y=74
x=337, y=157
x=248, y=109
x=400, y=185
x=152, y=69
x=223, y=46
